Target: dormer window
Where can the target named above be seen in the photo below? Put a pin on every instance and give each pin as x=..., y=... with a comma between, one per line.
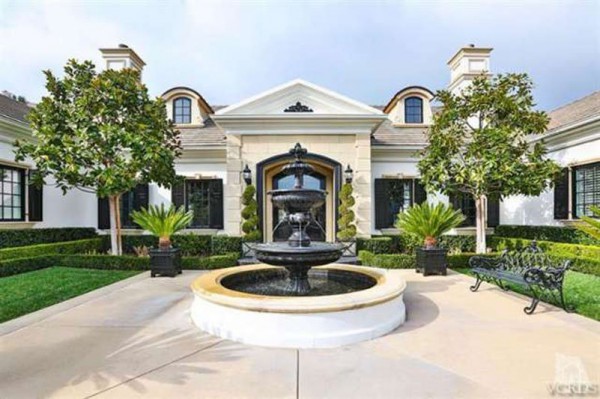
x=413, y=110
x=182, y=110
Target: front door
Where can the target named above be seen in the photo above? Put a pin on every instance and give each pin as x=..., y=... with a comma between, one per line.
x=316, y=230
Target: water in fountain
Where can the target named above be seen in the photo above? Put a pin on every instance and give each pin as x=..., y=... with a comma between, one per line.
x=298, y=255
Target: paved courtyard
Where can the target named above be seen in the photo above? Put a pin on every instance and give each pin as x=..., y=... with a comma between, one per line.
x=135, y=339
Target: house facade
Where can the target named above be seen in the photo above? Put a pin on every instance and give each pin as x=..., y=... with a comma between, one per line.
x=377, y=147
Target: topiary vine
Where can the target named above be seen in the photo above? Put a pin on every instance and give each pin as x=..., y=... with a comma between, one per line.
x=347, y=228
x=250, y=224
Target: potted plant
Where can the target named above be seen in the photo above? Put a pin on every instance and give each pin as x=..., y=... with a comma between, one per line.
x=428, y=223
x=163, y=223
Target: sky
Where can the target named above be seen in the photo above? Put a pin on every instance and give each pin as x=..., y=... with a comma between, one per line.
x=367, y=50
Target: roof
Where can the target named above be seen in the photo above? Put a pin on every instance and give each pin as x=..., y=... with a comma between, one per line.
x=576, y=111
x=388, y=134
x=208, y=135
x=13, y=109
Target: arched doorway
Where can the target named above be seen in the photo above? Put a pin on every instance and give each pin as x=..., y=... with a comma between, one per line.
x=327, y=176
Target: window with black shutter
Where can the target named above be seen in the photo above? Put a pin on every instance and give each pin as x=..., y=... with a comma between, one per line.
x=12, y=194
x=586, y=189
x=392, y=196
x=36, y=200
x=205, y=198
x=133, y=200
x=466, y=204
x=493, y=212
x=420, y=193
x=561, y=195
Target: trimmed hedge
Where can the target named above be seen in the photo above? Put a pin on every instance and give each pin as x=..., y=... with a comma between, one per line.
x=387, y=261
x=375, y=245
x=25, y=237
x=222, y=245
x=585, y=258
x=462, y=260
x=109, y=262
x=190, y=244
x=407, y=244
x=70, y=247
x=546, y=233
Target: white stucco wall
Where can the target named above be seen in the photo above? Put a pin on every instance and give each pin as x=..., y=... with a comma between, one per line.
x=523, y=210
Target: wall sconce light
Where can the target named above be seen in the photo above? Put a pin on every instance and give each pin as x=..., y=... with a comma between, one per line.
x=349, y=174
x=247, y=175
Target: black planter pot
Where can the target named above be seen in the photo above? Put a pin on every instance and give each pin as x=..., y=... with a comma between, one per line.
x=432, y=261
x=165, y=262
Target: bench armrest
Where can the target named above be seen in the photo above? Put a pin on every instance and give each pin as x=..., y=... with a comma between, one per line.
x=551, y=277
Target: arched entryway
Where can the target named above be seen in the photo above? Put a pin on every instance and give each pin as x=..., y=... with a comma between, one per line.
x=326, y=176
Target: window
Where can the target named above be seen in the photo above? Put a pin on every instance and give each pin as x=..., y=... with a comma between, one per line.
x=393, y=196
x=413, y=110
x=12, y=205
x=133, y=200
x=466, y=204
x=204, y=197
x=182, y=110
x=586, y=189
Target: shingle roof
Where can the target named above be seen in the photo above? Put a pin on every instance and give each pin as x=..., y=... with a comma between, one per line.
x=388, y=134
x=210, y=134
x=13, y=109
x=574, y=112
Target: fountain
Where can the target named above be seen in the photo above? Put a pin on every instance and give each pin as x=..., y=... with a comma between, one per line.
x=296, y=297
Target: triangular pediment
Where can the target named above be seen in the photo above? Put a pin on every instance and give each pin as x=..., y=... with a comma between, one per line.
x=299, y=97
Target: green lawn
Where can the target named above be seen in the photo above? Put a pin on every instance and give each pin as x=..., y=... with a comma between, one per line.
x=582, y=292
x=28, y=292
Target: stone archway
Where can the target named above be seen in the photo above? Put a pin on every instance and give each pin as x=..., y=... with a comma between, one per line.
x=267, y=171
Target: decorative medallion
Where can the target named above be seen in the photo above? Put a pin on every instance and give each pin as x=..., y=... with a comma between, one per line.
x=298, y=107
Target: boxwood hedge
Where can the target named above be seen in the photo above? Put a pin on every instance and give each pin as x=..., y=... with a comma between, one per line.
x=24, y=237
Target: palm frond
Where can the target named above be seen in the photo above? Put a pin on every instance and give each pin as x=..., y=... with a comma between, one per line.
x=162, y=221
x=427, y=220
x=590, y=225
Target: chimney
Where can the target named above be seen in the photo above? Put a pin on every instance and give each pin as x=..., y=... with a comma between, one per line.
x=466, y=64
x=122, y=57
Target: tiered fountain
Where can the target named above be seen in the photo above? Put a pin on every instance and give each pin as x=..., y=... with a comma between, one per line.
x=291, y=299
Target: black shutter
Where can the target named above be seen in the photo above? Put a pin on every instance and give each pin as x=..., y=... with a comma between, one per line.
x=382, y=211
x=178, y=193
x=141, y=197
x=216, y=204
x=36, y=197
x=561, y=195
x=493, y=212
x=103, y=214
x=420, y=193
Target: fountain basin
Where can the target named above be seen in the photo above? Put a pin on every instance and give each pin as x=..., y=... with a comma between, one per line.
x=299, y=322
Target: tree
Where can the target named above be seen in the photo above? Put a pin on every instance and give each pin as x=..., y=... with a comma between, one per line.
x=250, y=215
x=480, y=144
x=591, y=225
x=100, y=133
x=347, y=228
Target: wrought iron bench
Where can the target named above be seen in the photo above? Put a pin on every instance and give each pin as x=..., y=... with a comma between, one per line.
x=529, y=267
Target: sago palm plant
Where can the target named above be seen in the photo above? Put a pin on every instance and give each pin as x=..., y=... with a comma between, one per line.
x=163, y=222
x=591, y=225
x=429, y=222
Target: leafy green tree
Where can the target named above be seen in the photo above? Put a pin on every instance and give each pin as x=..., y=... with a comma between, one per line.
x=480, y=144
x=100, y=133
x=347, y=228
x=591, y=225
x=250, y=215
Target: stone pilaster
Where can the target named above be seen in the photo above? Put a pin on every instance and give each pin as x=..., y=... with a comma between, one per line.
x=362, y=184
x=233, y=188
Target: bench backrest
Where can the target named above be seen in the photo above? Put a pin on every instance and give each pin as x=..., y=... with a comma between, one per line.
x=519, y=260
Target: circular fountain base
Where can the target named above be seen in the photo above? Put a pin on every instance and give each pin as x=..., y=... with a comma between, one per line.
x=299, y=322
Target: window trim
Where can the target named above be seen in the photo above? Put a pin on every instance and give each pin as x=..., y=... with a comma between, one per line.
x=23, y=194
x=406, y=106
x=186, y=203
x=189, y=105
x=572, y=204
x=412, y=181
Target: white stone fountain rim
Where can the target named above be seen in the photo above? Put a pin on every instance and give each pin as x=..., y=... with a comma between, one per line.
x=388, y=286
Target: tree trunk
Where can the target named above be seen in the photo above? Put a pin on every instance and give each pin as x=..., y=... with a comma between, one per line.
x=118, y=220
x=114, y=235
x=480, y=224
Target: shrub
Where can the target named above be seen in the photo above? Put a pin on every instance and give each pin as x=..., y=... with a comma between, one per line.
x=376, y=245
x=546, y=233
x=429, y=222
x=387, y=261
x=190, y=244
x=69, y=247
x=21, y=238
x=211, y=262
x=163, y=222
x=22, y=265
x=590, y=225
x=250, y=215
x=222, y=245
x=458, y=244
x=347, y=228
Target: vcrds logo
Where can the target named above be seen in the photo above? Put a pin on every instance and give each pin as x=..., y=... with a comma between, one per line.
x=571, y=378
